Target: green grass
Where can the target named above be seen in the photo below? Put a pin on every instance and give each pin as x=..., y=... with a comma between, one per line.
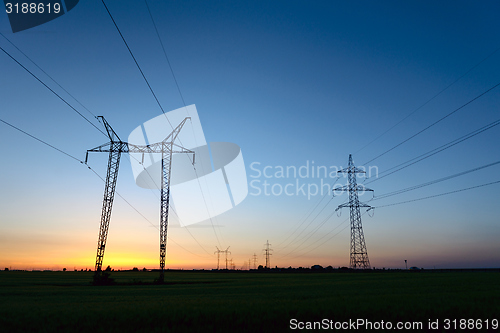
x=238, y=302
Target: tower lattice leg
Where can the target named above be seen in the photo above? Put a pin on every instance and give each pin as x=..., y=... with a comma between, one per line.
x=107, y=206
x=166, y=164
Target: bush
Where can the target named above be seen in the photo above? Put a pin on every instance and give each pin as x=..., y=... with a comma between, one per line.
x=103, y=279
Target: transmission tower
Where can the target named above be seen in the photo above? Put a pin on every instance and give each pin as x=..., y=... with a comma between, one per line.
x=218, y=256
x=359, y=255
x=226, y=251
x=231, y=264
x=254, y=261
x=267, y=253
x=115, y=147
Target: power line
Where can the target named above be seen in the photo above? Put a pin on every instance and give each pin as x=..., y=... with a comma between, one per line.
x=306, y=216
x=441, y=194
x=153, y=93
x=325, y=235
x=133, y=57
x=171, y=207
x=50, y=89
x=42, y=141
x=311, y=233
x=144, y=217
x=449, y=144
x=429, y=100
x=434, y=123
x=192, y=236
x=327, y=240
x=169, y=65
x=206, y=207
x=165, y=53
x=137, y=64
x=50, y=77
x=307, y=226
x=438, y=150
x=383, y=196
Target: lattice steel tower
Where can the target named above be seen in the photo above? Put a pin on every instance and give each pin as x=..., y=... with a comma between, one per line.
x=267, y=252
x=115, y=147
x=359, y=255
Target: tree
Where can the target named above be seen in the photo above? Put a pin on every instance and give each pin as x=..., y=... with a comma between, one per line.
x=64, y=269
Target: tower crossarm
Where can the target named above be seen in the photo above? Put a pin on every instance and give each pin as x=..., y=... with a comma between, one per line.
x=111, y=133
x=349, y=205
x=358, y=188
x=165, y=146
x=125, y=147
x=173, y=135
x=110, y=146
x=360, y=205
x=158, y=148
x=351, y=169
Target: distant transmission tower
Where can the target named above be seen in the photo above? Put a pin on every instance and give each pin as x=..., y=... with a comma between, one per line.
x=254, y=261
x=226, y=252
x=218, y=256
x=267, y=253
x=359, y=255
x=231, y=264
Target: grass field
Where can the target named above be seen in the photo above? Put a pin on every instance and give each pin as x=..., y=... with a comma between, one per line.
x=239, y=301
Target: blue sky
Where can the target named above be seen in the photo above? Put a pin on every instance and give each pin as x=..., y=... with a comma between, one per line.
x=290, y=83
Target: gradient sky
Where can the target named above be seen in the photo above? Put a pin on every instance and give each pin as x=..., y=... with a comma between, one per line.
x=290, y=82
